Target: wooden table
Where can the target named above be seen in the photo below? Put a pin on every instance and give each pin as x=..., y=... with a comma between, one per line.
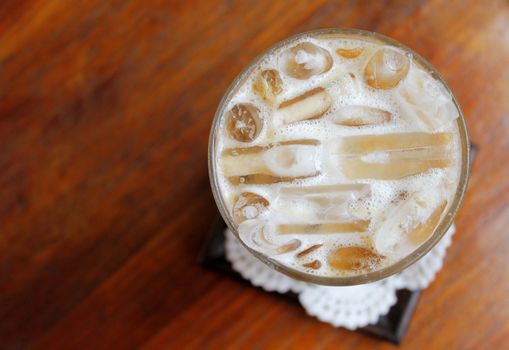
x=105, y=109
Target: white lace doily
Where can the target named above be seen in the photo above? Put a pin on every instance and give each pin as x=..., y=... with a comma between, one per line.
x=348, y=307
x=259, y=274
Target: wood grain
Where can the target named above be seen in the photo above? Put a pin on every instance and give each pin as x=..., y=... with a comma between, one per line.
x=105, y=108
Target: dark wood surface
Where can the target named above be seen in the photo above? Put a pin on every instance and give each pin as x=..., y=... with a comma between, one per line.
x=105, y=108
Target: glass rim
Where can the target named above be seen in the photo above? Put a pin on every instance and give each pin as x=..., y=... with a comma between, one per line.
x=371, y=276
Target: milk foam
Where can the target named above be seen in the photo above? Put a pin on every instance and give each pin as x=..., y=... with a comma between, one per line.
x=344, y=82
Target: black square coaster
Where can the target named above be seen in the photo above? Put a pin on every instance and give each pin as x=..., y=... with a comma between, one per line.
x=473, y=153
x=391, y=327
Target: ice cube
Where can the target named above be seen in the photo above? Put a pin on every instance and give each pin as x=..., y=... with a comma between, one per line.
x=424, y=230
x=361, y=115
x=277, y=162
x=248, y=206
x=345, y=190
x=268, y=85
x=309, y=250
x=264, y=179
x=254, y=234
x=313, y=208
x=353, y=258
x=306, y=59
x=386, y=68
x=425, y=102
x=347, y=83
x=288, y=247
x=322, y=202
x=356, y=168
x=396, y=141
x=349, y=53
x=310, y=105
x=390, y=142
x=424, y=153
x=394, y=156
x=243, y=122
x=411, y=220
x=325, y=228
x=315, y=265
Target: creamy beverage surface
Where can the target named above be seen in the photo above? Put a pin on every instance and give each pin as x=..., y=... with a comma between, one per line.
x=337, y=156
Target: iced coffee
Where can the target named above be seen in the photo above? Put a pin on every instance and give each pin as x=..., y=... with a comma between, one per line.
x=337, y=155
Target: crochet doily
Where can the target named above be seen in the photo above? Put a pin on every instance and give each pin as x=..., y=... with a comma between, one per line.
x=348, y=307
x=253, y=270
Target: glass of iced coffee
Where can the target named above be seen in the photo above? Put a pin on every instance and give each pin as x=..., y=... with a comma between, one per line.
x=339, y=157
